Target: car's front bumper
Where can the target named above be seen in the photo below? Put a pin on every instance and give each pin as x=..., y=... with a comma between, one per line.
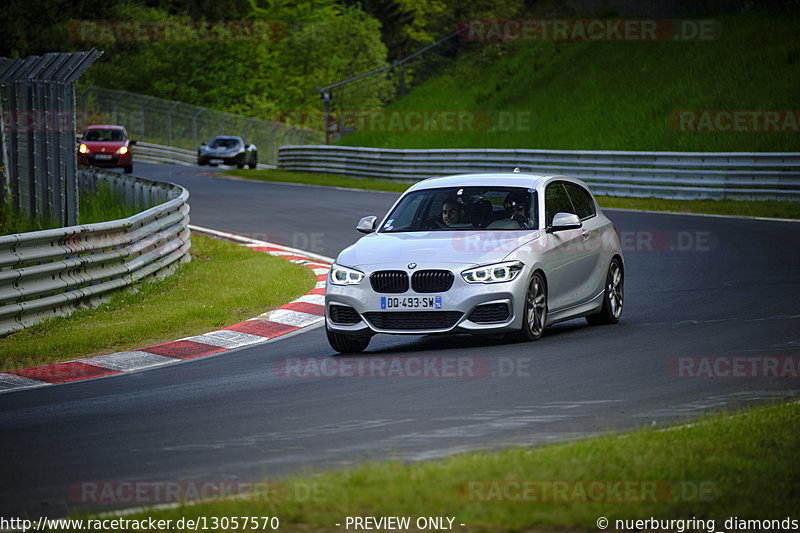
x=465, y=307
x=98, y=160
x=226, y=158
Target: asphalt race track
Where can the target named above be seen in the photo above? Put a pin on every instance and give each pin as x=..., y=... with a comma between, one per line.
x=722, y=289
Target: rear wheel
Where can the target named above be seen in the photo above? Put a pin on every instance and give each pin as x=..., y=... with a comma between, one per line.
x=344, y=343
x=612, y=297
x=535, y=314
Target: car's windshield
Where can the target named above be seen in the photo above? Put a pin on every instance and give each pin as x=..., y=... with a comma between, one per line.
x=219, y=142
x=464, y=208
x=105, y=135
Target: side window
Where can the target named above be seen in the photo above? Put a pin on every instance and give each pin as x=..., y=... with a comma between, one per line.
x=582, y=200
x=556, y=200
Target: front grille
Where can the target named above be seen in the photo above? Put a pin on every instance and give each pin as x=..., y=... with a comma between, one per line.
x=343, y=314
x=413, y=320
x=389, y=281
x=432, y=281
x=488, y=313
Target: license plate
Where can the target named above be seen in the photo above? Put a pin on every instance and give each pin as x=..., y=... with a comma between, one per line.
x=103, y=156
x=216, y=161
x=411, y=302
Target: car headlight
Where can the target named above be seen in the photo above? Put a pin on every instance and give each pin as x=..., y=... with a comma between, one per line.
x=495, y=273
x=341, y=275
x=83, y=148
x=122, y=150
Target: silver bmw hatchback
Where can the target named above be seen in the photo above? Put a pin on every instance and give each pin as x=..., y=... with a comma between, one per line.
x=477, y=253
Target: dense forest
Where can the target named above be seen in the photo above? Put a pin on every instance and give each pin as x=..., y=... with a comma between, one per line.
x=252, y=57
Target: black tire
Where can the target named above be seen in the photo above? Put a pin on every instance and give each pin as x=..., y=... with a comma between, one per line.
x=344, y=343
x=534, y=316
x=612, y=296
x=253, y=164
x=240, y=161
x=201, y=162
x=128, y=169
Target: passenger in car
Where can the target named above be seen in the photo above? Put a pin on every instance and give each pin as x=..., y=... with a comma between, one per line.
x=452, y=213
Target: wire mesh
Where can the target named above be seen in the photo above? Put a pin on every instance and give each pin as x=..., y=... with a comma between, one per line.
x=181, y=125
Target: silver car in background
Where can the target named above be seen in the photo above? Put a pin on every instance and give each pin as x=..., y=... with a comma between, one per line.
x=478, y=253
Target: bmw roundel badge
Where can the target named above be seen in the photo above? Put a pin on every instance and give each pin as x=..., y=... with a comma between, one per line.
x=412, y=266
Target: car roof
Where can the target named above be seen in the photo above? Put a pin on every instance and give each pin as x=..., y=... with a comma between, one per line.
x=227, y=137
x=505, y=179
x=105, y=127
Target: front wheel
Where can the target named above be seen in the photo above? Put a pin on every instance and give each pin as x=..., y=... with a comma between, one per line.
x=128, y=169
x=535, y=314
x=344, y=343
x=612, y=297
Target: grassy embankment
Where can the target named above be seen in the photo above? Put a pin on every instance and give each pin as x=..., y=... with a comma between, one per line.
x=611, y=95
x=718, y=467
x=603, y=96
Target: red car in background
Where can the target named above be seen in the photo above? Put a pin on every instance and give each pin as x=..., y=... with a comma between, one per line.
x=106, y=146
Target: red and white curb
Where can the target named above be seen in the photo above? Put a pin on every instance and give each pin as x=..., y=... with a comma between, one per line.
x=303, y=312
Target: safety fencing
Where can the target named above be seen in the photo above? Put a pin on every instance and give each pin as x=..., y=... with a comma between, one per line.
x=675, y=175
x=180, y=125
x=54, y=272
x=37, y=127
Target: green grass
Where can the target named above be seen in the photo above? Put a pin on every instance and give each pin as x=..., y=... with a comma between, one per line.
x=609, y=95
x=93, y=207
x=768, y=208
x=723, y=465
x=223, y=284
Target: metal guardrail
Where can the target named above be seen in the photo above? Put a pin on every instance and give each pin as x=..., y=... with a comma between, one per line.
x=677, y=175
x=54, y=272
x=156, y=153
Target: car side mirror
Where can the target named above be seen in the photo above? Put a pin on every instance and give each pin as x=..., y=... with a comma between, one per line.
x=367, y=224
x=564, y=221
x=131, y=142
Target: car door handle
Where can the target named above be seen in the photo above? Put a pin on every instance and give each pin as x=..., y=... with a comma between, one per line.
x=585, y=234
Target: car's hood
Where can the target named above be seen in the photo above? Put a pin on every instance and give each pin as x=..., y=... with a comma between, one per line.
x=435, y=248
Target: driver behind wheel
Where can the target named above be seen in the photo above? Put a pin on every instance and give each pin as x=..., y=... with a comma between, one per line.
x=516, y=205
x=452, y=212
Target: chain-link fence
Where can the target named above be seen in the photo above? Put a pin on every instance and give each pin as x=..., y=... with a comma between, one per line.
x=181, y=125
x=37, y=135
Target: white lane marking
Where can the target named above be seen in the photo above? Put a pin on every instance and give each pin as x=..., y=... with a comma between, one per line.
x=128, y=361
